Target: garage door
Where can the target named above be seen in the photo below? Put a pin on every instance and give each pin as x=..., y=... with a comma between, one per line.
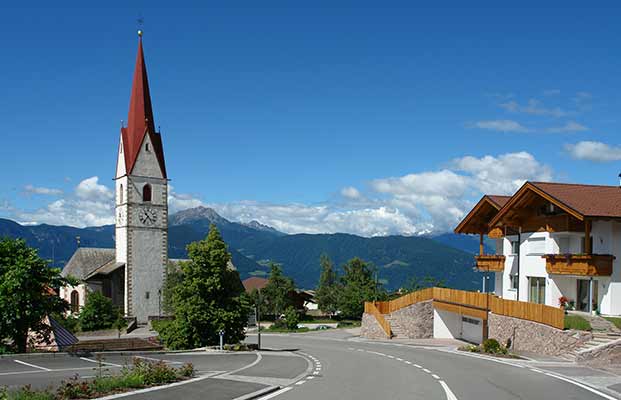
x=471, y=329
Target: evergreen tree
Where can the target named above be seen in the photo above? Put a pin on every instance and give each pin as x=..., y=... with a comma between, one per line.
x=27, y=293
x=208, y=299
x=358, y=286
x=277, y=292
x=328, y=290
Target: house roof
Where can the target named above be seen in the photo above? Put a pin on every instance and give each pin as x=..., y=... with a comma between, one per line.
x=478, y=218
x=87, y=260
x=254, y=283
x=140, y=121
x=580, y=201
x=588, y=200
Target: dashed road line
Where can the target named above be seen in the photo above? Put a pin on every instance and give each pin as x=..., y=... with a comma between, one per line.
x=435, y=376
x=426, y=370
x=31, y=365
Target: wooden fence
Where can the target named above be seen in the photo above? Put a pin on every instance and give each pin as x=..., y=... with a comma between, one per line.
x=370, y=308
x=540, y=313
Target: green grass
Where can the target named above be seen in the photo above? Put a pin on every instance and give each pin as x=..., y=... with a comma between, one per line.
x=614, y=320
x=577, y=322
x=285, y=330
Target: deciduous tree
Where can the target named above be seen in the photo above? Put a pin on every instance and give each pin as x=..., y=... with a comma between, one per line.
x=358, y=286
x=328, y=290
x=27, y=294
x=277, y=292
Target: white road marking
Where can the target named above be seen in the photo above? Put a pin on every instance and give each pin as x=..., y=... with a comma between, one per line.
x=399, y=359
x=300, y=382
x=417, y=366
x=426, y=370
x=408, y=363
x=590, y=389
x=390, y=356
x=102, y=362
x=310, y=377
x=276, y=393
x=158, y=359
x=447, y=390
x=435, y=376
x=315, y=372
x=32, y=365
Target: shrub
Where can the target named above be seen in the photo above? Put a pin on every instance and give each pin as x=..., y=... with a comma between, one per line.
x=187, y=370
x=471, y=348
x=492, y=346
x=153, y=372
x=26, y=393
x=291, y=318
x=98, y=313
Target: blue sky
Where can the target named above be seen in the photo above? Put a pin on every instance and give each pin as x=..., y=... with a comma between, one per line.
x=318, y=118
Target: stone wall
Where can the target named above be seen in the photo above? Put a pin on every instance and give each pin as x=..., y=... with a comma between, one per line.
x=535, y=337
x=415, y=321
x=604, y=356
x=370, y=328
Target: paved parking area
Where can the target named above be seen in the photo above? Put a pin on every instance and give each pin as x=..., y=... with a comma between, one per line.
x=229, y=375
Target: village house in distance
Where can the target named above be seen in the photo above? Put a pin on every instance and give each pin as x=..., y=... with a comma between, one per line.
x=553, y=240
x=132, y=274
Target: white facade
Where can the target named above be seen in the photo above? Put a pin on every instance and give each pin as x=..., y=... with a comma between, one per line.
x=606, y=236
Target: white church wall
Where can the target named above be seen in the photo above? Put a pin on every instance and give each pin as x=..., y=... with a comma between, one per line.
x=146, y=163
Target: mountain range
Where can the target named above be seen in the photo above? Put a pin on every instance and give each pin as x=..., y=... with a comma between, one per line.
x=253, y=246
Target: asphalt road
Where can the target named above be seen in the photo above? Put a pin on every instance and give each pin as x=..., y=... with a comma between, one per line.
x=327, y=365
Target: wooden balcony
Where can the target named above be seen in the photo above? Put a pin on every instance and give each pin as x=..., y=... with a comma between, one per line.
x=579, y=264
x=490, y=263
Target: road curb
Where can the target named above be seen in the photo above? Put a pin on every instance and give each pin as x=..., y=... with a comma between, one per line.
x=258, y=393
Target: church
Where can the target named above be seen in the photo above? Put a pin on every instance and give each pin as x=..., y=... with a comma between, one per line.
x=133, y=273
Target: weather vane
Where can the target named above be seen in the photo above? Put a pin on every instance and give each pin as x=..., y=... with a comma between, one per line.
x=140, y=22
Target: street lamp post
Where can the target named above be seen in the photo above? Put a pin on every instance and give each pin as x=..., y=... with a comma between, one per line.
x=257, y=316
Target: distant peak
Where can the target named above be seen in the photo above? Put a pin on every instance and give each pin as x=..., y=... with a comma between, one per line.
x=254, y=224
x=195, y=214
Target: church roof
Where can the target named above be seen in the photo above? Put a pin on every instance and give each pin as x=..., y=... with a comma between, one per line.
x=87, y=260
x=140, y=121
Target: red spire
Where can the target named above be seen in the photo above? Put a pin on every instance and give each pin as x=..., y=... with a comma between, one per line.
x=140, y=120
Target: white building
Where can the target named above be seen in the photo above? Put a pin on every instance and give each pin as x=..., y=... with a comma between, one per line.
x=541, y=252
x=133, y=273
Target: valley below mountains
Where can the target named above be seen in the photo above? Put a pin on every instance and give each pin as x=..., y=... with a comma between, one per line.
x=253, y=246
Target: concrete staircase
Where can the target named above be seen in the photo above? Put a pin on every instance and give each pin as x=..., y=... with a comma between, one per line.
x=604, y=332
x=397, y=330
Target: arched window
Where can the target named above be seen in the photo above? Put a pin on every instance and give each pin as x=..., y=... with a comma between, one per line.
x=75, y=301
x=146, y=192
x=121, y=194
x=146, y=147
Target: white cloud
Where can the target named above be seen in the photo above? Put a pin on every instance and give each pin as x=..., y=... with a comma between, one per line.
x=551, y=92
x=30, y=190
x=501, y=125
x=569, y=127
x=594, y=151
x=534, y=107
x=412, y=204
x=90, y=189
x=350, y=192
x=179, y=201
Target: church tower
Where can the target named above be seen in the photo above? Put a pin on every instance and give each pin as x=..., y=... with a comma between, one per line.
x=141, y=202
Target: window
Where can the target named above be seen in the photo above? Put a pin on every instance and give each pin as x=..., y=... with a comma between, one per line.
x=514, y=281
x=121, y=194
x=515, y=246
x=146, y=192
x=537, y=246
x=147, y=295
x=563, y=245
x=537, y=290
x=75, y=301
x=146, y=147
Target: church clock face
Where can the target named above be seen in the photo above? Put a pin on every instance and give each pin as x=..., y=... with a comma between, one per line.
x=147, y=216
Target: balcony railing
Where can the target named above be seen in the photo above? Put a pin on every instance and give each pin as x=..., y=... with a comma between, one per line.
x=579, y=264
x=490, y=263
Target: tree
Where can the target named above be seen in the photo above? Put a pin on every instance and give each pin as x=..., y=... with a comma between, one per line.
x=328, y=290
x=358, y=286
x=174, y=277
x=416, y=283
x=277, y=292
x=27, y=293
x=98, y=312
x=291, y=318
x=208, y=299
